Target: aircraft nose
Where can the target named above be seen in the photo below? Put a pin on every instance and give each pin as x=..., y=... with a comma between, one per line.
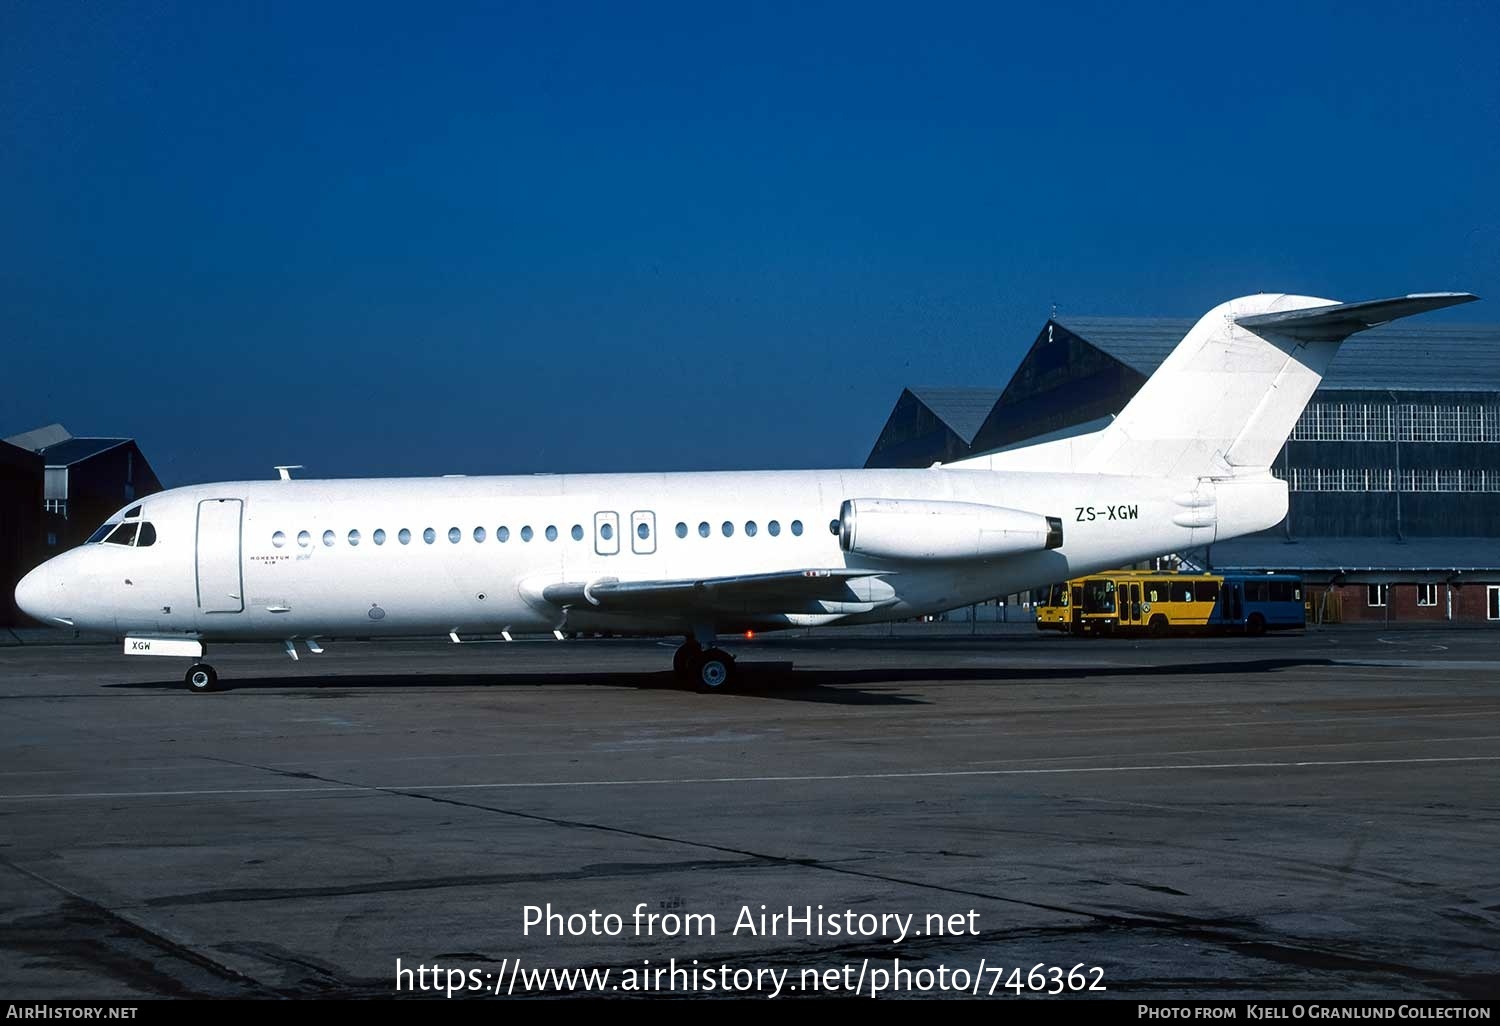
x=35, y=594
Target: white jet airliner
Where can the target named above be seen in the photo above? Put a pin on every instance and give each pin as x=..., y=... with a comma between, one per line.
x=702, y=555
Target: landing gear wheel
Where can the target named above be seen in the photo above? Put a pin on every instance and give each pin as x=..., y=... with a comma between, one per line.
x=684, y=657
x=713, y=671
x=201, y=677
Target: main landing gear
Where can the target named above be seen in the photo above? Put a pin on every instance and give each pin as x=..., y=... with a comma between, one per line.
x=710, y=669
x=201, y=677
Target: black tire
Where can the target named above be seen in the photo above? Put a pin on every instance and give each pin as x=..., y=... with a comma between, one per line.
x=1256, y=625
x=1159, y=626
x=682, y=659
x=713, y=670
x=201, y=678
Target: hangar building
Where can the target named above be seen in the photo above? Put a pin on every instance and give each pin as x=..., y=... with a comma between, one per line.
x=932, y=425
x=20, y=522
x=1393, y=469
x=65, y=487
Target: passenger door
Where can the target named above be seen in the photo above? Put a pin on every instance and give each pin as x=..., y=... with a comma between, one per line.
x=606, y=532
x=643, y=532
x=221, y=584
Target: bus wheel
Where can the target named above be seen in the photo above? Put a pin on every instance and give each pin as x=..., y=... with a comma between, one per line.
x=1256, y=626
x=1158, y=626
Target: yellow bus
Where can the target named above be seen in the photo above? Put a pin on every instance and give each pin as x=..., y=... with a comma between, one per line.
x=1054, y=607
x=1134, y=602
x=1061, y=606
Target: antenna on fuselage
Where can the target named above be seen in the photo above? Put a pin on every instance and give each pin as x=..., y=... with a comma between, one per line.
x=286, y=472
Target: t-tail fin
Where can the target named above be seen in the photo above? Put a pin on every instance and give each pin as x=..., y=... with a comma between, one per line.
x=1228, y=396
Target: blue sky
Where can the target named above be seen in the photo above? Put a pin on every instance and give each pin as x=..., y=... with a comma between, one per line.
x=427, y=239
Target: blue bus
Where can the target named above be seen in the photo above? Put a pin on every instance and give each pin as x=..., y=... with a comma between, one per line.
x=1257, y=603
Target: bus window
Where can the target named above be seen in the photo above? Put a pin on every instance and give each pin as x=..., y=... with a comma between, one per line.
x=1156, y=591
x=1208, y=591
x=1281, y=591
x=1099, y=596
x=1257, y=591
x=1182, y=591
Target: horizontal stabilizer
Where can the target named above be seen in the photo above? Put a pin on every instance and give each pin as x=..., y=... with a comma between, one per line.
x=1338, y=322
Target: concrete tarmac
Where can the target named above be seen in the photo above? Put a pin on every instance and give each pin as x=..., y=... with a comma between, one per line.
x=1308, y=816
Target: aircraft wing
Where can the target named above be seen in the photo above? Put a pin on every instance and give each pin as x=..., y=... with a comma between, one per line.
x=772, y=592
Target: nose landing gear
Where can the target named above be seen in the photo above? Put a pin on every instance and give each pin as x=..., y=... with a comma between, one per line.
x=201, y=677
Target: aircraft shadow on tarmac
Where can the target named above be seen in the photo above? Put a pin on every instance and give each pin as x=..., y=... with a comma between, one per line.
x=777, y=680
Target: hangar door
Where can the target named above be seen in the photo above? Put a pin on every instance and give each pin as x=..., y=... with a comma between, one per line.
x=220, y=583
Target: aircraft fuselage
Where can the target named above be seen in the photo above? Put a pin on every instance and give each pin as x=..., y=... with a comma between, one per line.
x=320, y=558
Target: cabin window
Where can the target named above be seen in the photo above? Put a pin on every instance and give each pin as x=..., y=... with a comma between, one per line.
x=278, y=539
x=429, y=535
x=403, y=536
x=750, y=528
x=728, y=529
x=551, y=532
x=797, y=528
x=454, y=534
x=606, y=531
x=304, y=539
x=577, y=532
x=682, y=530
x=379, y=536
x=479, y=534
x=642, y=530
x=526, y=533
x=774, y=527
x=353, y=537
x=328, y=538
x=503, y=534
x=703, y=529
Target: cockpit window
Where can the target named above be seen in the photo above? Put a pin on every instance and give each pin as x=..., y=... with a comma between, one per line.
x=103, y=533
x=146, y=537
x=122, y=535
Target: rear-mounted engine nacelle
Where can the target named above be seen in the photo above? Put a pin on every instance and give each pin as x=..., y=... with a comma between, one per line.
x=930, y=529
